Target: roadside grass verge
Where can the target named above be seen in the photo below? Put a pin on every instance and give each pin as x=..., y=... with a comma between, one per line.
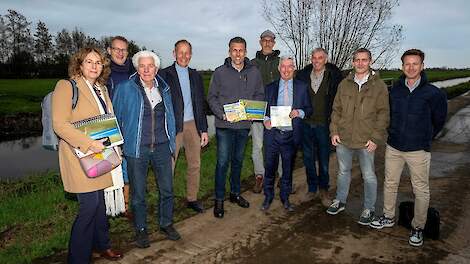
x=457, y=90
x=36, y=217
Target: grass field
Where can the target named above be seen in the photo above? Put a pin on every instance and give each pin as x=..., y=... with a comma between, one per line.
x=35, y=217
x=25, y=95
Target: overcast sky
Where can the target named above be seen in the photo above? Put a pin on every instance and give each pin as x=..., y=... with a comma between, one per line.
x=440, y=28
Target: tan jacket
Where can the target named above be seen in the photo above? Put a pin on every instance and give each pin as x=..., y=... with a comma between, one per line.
x=360, y=116
x=73, y=177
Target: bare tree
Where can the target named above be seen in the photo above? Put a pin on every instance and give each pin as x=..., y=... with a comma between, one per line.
x=291, y=20
x=339, y=26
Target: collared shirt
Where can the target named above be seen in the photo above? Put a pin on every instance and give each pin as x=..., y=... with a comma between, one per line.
x=152, y=93
x=233, y=65
x=316, y=80
x=183, y=78
x=414, y=86
x=360, y=82
x=290, y=91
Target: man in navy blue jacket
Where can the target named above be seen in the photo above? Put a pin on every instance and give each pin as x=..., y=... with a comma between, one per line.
x=283, y=140
x=418, y=112
x=187, y=94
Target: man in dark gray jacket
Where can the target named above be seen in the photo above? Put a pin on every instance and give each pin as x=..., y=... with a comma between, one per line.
x=236, y=79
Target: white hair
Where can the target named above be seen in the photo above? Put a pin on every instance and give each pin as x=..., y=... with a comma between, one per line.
x=145, y=54
x=286, y=57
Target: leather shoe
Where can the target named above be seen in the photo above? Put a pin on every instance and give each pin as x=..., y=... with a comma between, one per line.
x=142, y=238
x=195, y=206
x=170, y=233
x=111, y=255
x=266, y=204
x=238, y=199
x=289, y=208
x=219, y=208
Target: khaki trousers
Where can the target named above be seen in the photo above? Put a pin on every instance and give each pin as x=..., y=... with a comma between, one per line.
x=418, y=163
x=190, y=140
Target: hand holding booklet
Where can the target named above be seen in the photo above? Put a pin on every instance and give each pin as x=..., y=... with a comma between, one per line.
x=245, y=110
x=100, y=127
x=280, y=116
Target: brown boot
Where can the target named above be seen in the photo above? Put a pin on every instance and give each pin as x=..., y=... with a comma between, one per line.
x=258, y=184
x=325, y=198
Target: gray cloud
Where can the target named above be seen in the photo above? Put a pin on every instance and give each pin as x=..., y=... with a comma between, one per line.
x=440, y=28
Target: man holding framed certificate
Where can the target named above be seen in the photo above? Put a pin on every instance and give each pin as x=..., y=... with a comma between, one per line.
x=288, y=103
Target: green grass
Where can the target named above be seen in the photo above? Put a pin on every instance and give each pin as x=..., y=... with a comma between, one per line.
x=23, y=95
x=433, y=75
x=457, y=90
x=35, y=217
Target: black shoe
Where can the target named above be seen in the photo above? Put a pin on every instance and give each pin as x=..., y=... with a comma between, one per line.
x=195, y=206
x=238, y=199
x=289, y=208
x=266, y=204
x=170, y=233
x=142, y=239
x=219, y=208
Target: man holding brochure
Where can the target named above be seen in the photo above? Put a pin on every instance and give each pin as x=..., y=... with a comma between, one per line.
x=237, y=79
x=288, y=103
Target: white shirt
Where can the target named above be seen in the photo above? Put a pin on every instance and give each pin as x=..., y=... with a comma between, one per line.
x=360, y=82
x=152, y=93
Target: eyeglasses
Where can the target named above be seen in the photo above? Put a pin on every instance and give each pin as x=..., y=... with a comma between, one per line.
x=118, y=50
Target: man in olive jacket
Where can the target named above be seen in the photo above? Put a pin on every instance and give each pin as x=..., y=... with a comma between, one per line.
x=267, y=61
x=359, y=121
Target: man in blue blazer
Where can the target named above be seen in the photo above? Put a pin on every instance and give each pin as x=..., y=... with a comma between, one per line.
x=283, y=140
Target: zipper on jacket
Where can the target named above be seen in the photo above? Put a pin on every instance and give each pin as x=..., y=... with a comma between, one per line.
x=153, y=130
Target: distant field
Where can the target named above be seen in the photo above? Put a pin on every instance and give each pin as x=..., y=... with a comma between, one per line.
x=25, y=95
x=433, y=75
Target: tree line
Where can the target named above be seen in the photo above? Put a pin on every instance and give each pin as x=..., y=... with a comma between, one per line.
x=40, y=54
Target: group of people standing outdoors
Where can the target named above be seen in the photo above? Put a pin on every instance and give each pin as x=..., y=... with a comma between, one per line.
x=161, y=111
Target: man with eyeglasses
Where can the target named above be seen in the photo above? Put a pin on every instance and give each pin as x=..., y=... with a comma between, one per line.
x=121, y=66
x=121, y=70
x=267, y=61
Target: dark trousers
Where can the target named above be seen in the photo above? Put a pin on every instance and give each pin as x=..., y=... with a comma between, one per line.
x=160, y=159
x=316, y=146
x=230, y=149
x=277, y=142
x=90, y=229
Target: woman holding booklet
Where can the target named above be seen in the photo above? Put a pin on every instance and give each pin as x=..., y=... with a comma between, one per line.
x=88, y=70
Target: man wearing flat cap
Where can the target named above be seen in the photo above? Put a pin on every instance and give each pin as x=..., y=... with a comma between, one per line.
x=267, y=61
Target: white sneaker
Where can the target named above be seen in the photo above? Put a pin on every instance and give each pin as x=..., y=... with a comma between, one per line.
x=416, y=237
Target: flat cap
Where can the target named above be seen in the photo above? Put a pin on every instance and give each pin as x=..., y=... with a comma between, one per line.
x=267, y=33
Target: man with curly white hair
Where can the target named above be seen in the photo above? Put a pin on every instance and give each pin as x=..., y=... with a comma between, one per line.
x=144, y=109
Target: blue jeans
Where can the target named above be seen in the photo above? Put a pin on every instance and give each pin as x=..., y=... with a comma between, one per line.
x=90, y=230
x=230, y=149
x=160, y=159
x=366, y=161
x=316, y=146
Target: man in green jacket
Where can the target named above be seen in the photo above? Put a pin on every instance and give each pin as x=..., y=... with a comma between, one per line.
x=359, y=121
x=267, y=61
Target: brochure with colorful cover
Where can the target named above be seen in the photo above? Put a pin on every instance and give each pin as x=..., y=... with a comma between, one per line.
x=234, y=112
x=255, y=110
x=100, y=127
x=280, y=116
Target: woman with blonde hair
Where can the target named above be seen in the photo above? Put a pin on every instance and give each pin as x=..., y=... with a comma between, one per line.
x=88, y=68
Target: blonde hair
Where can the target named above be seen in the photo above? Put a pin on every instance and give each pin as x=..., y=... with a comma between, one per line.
x=77, y=59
